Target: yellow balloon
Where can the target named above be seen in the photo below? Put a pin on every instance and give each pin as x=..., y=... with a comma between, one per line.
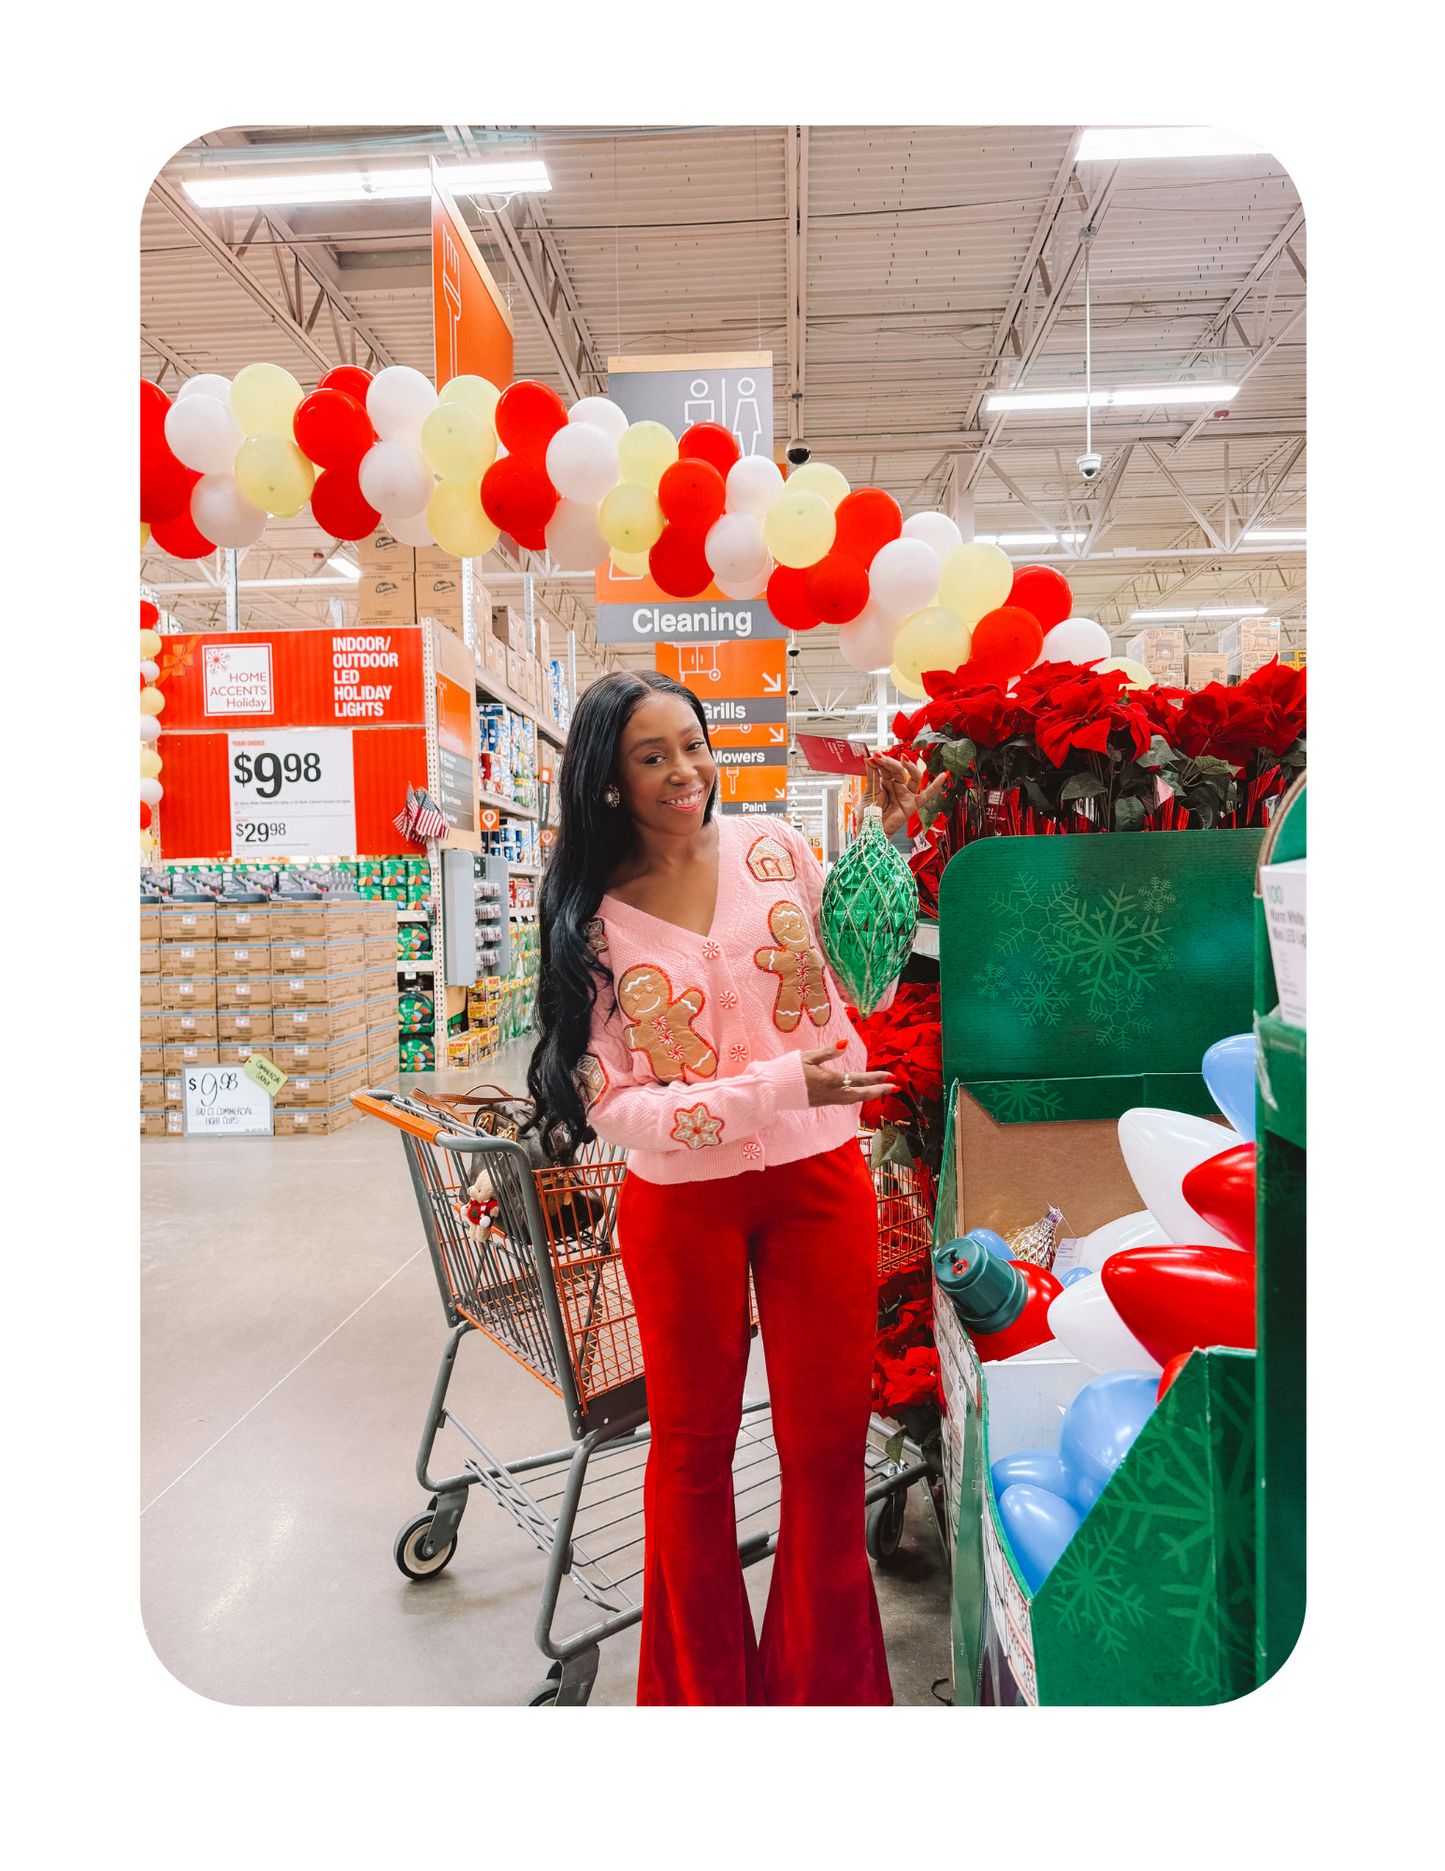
x=976, y=579
x=458, y=444
x=150, y=645
x=798, y=528
x=474, y=393
x=273, y=473
x=646, y=449
x=455, y=519
x=145, y=533
x=905, y=687
x=630, y=518
x=819, y=477
x=264, y=399
x=1139, y=676
x=151, y=701
x=931, y=639
x=630, y=564
x=147, y=844
x=150, y=763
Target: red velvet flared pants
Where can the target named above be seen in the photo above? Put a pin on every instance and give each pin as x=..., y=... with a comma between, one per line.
x=809, y=1230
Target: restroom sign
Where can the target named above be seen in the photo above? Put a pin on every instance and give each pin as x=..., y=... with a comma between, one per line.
x=731, y=388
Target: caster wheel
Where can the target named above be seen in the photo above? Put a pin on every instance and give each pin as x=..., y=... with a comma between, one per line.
x=407, y=1549
x=544, y=1696
x=883, y=1528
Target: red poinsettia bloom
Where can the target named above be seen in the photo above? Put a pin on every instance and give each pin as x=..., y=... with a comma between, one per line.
x=1226, y=724
x=906, y=1382
x=1083, y=713
x=905, y=1041
x=1280, y=692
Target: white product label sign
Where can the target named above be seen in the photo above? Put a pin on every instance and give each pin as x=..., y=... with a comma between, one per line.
x=221, y=1101
x=293, y=792
x=237, y=678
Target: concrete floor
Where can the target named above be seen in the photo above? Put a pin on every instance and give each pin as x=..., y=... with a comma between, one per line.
x=291, y=1329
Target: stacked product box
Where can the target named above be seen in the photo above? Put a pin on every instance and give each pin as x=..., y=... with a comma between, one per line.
x=439, y=589
x=505, y=754
x=1161, y=650
x=558, y=708
x=333, y=1009
x=1249, y=644
x=178, y=1008
x=1202, y=668
x=386, y=591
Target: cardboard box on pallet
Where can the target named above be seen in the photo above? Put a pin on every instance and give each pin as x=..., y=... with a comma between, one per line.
x=178, y=1054
x=188, y=1027
x=322, y=1057
x=152, y=1061
x=150, y=925
x=150, y=958
x=152, y=1026
x=153, y=1093
x=237, y=993
x=317, y=990
x=152, y=1123
x=495, y=657
x=292, y=1024
x=300, y=922
x=509, y=627
x=297, y=957
x=1247, y=662
x=439, y=589
x=378, y=951
x=291, y=1122
x=175, y=1091
x=150, y=991
x=189, y=925
x=243, y=1025
x=514, y=669
x=252, y=924
x=1250, y=636
x=1202, y=668
x=380, y=980
x=190, y=991
x=1160, y=647
x=381, y=1013
x=238, y=1055
x=178, y=959
x=241, y=960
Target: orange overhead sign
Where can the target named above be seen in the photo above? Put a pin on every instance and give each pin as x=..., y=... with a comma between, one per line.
x=471, y=326
x=752, y=786
x=722, y=671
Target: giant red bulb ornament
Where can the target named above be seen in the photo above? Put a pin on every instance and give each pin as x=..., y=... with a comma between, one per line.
x=1221, y=1191
x=1176, y=1298
x=1031, y=1327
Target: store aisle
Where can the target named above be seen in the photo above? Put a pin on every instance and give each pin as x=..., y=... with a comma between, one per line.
x=291, y=1330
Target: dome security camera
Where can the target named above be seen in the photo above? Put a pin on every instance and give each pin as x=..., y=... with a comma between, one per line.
x=798, y=453
x=1089, y=466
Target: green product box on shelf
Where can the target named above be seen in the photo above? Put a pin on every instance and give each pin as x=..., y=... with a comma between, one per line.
x=393, y=870
x=394, y=893
x=369, y=893
x=418, y=870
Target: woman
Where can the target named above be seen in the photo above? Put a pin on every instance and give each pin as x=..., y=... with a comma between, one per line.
x=687, y=1013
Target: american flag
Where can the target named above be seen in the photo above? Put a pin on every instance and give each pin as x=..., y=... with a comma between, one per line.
x=420, y=819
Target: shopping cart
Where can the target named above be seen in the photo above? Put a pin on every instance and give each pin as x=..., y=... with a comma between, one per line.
x=542, y=1277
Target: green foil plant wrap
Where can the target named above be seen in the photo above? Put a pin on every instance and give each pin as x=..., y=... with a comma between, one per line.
x=869, y=914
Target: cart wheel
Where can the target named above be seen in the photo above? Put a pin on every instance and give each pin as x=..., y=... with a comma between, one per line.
x=883, y=1528
x=544, y=1695
x=406, y=1551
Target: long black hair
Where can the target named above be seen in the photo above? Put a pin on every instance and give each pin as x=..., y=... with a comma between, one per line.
x=592, y=840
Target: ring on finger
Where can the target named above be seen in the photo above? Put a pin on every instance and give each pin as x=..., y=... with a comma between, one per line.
x=847, y=1081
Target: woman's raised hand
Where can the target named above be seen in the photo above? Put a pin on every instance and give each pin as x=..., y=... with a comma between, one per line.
x=905, y=786
x=826, y=1083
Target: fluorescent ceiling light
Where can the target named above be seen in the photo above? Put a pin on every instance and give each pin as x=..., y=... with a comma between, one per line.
x=1256, y=533
x=1121, y=145
x=1140, y=397
x=1218, y=610
x=274, y=191
x=346, y=568
x=1026, y=539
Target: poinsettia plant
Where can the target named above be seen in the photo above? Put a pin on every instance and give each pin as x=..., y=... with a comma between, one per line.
x=906, y=1383
x=906, y=1041
x=1073, y=748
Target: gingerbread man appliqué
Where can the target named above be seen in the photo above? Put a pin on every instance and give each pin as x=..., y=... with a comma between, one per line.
x=661, y=1026
x=799, y=968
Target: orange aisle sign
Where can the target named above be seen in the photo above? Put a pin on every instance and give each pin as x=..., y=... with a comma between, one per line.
x=763, y=734
x=724, y=671
x=471, y=326
x=752, y=786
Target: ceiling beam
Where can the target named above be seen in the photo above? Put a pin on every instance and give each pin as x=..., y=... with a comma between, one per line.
x=162, y=349
x=796, y=196
x=1023, y=499
x=1104, y=504
x=1276, y=247
x=1261, y=356
x=1199, y=519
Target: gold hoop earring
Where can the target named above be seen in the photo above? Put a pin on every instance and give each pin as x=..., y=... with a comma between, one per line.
x=612, y=797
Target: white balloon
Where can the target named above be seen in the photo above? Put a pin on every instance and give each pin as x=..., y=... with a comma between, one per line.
x=151, y=792
x=1085, y=1323
x=1076, y=640
x=1160, y=1148
x=745, y=587
x=903, y=577
x=399, y=401
x=936, y=530
x=206, y=384
x=582, y=463
x=223, y=513
x=411, y=529
x=602, y=413
x=149, y=671
x=753, y=484
x=574, y=539
x=734, y=547
x=396, y=477
x=203, y=433
x=1139, y=1230
x=867, y=639
x=150, y=728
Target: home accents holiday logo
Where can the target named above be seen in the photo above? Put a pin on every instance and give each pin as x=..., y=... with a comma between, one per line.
x=237, y=679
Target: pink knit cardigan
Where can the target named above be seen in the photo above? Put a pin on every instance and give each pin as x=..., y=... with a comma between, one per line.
x=694, y=1059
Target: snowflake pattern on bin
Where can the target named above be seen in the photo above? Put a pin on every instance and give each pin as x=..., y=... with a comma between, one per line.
x=696, y=1127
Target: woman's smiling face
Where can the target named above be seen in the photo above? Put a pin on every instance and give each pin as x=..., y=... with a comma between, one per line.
x=665, y=768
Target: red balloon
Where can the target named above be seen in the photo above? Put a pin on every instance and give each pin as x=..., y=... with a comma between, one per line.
x=145, y=815
x=528, y=416
x=691, y=494
x=518, y=497
x=710, y=442
x=836, y=588
x=1006, y=642
x=866, y=520
x=350, y=379
x=1174, y=1299
x=339, y=507
x=1171, y=1371
x=165, y=482
x=677, y=563
x=788, y=599
x=1031, y=1327
x=181, y=537
x=1221, y=1190
x=1044, y=592
x=332, y=429
x=149, y=615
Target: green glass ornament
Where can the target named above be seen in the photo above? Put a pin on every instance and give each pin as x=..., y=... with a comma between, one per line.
x=869, y=914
